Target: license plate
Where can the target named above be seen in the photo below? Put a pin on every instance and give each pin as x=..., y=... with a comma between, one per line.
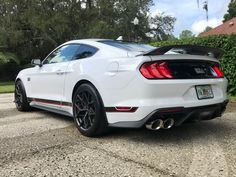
x=204, y=92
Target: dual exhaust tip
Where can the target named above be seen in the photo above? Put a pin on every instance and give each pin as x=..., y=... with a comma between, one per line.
x=160, y=124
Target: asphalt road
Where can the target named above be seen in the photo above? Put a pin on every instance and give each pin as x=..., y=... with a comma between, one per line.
x=45, y=144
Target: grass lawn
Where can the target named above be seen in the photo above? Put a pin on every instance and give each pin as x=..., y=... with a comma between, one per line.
x=232, y=98
x=7, y=87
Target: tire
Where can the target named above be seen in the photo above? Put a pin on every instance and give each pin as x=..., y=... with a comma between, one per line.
x=21, y=100
x=88, y=111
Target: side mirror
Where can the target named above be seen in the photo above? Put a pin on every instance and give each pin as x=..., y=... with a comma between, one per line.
x=36, y=62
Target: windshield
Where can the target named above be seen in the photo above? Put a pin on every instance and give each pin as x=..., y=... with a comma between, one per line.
x=129, y=46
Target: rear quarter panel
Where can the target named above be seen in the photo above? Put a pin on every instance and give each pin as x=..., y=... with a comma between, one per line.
x=106, y=74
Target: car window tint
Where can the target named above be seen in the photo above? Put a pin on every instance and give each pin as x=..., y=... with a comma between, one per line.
x=85, y=51
x=65, y=53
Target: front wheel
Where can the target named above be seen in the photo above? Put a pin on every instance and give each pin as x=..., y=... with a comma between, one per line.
x=88, y=110
x=21, y=100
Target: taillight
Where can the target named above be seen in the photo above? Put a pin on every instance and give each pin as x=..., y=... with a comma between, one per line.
x=157, y=70
x=217, y=72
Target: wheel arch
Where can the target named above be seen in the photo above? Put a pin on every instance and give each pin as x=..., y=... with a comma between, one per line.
x=18, y=79
x=102, y=122
x=84, y=81
x=23, y=84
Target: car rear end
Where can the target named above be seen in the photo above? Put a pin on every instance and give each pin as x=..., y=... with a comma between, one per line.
x=168, y=90
x=190, y=88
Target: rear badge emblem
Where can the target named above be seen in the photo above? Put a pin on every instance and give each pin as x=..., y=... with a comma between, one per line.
x=199, y=70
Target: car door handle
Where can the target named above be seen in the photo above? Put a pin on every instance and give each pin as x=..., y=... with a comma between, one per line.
x=59, y=72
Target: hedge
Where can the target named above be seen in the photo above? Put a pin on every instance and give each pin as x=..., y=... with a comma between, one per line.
x=225, y=42
x=9, y=71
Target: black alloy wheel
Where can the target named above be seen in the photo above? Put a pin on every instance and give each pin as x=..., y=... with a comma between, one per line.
x=21, y=100
x=89, y=114
x=85, y=109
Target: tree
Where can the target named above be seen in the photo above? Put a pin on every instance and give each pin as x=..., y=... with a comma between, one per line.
x=162, y=26
x=32, y=28
x=208, y=28
x=126, y=11
x=186, y=34
x=231, y=13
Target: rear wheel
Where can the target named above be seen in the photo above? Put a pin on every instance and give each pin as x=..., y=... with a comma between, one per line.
x=88, y=110
x=21, y=100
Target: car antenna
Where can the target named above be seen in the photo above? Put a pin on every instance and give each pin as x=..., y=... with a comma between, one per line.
x=120, y=38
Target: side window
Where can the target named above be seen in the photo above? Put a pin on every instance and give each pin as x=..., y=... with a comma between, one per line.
x=65, y=53
x=85, y=51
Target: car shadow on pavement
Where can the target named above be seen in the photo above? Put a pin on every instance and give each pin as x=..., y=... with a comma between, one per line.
x=185, y=132
x=181, y=133
x=54, y=115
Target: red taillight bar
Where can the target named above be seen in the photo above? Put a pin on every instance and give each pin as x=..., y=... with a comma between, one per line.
x=157, y=70
x=219, y=73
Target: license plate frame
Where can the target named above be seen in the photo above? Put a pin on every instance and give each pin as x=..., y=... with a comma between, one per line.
x=204, y=92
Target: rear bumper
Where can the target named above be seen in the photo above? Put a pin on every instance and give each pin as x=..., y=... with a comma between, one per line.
x=151, y=95
x=179, y=114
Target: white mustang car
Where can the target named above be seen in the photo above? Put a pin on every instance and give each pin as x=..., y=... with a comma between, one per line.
x=107, y=83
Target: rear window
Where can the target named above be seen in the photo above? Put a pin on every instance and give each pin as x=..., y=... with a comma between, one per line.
x=85, y=51
x=129, y=46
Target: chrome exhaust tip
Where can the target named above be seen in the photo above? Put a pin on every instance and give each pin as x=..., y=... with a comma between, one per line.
x=155, y=125
x=168, y=123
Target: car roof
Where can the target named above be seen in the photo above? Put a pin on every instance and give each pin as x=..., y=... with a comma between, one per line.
x=109, y=50
x=100, y=43
x=91, y=39
x=94, y=42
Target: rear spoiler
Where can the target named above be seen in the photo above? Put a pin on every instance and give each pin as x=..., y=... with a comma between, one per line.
x=188, y=49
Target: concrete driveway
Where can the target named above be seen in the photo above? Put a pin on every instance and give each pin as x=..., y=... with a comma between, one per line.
x=45, y=144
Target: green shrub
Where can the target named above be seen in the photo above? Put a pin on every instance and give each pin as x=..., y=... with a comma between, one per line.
x=9, y=71
x=6, y=57
x=225, y=42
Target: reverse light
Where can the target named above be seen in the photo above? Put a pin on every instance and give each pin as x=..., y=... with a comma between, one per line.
x=157, y=70
x=217, y=72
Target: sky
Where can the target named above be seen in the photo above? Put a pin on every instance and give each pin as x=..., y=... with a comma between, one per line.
x=189, y=16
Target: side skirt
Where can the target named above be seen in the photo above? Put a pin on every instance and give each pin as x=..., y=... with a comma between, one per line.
x=53, y=110
x=50, y=102
x=60, y=103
